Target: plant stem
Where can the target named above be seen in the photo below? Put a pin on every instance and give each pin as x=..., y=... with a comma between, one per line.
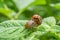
x=18, y=14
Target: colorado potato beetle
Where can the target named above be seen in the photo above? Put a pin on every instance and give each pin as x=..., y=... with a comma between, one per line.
x=35, y=21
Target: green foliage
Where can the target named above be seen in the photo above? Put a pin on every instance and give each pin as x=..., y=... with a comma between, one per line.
x=15, y=30
x=15, y=13
x=22, y=7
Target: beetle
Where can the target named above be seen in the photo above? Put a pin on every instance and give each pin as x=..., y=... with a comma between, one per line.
x=30, y=24
x=35, y=21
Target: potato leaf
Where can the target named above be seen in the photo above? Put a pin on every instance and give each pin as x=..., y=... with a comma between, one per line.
x=15, y=30
x=12, y=29
x=50, y=21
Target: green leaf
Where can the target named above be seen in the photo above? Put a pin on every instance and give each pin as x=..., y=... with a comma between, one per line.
x=12, y=29
x=50, y=21
x=57, y=6
x=3, y=18
x=24, y=4
x=40, y=2
x=21, y=4
x=55, y=28
x=7, y=12
x=15, y=30
x=49, y=36
x=49, y=24
x=35, y=35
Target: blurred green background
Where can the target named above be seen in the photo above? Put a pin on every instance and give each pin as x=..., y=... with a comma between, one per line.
x=24, y=9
